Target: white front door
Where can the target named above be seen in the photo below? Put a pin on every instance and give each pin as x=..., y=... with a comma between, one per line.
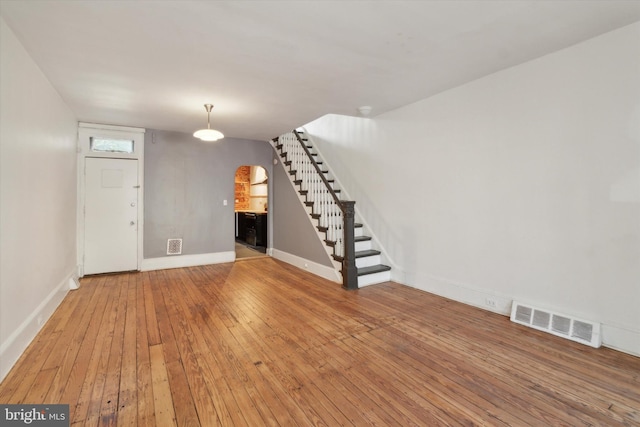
x=110, y=215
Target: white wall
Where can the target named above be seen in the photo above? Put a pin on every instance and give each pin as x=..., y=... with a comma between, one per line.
x=522, y=185
x=37, y=198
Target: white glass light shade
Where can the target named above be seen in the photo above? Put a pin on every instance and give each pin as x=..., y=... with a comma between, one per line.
x=208, y=134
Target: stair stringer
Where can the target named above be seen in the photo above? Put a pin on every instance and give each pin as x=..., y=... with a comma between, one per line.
x=397, y=273
x=337, y=266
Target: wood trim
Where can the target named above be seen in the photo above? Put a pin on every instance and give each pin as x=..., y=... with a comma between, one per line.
x=180, y=261
x=326, y=272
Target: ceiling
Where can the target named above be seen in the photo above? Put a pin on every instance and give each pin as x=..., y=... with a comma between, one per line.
x=270, y=66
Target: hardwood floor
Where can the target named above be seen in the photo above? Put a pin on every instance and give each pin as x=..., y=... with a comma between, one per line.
x=260, y=342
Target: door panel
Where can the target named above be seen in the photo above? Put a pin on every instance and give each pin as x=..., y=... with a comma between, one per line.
x=111, y=215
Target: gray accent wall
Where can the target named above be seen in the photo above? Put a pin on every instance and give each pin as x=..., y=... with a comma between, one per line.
x=186, y=182
x=293, y=232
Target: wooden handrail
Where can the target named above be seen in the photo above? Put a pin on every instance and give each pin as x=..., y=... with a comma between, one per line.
x=349, y=269
x=315, y=164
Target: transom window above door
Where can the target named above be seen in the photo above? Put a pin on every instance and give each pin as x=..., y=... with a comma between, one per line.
x=111, y=145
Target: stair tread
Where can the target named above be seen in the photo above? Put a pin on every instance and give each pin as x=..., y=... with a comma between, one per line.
x=362, y=238
x=368, y=252
x=373, y=269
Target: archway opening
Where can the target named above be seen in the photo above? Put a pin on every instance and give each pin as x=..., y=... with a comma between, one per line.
x=251, y=205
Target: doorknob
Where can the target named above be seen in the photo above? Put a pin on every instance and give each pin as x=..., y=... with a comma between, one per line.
x=132, y=223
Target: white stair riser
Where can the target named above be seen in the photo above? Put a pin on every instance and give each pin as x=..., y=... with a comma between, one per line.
x=372, y=279
x=358, y=231
x=363, y=246
x=368, y=261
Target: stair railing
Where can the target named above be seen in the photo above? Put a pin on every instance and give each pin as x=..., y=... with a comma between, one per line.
x=335, y=217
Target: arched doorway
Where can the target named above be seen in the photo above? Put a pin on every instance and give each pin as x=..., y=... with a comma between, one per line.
x=251, y=206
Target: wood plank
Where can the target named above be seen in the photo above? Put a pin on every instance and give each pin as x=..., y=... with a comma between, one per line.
x=127, y=398
x=153, y=332
x=162, y=396
x=144, y=381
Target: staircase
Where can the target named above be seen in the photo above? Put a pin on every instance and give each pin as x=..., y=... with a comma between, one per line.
x=351, y=250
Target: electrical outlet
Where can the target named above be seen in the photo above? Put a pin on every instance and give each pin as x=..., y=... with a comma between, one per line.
x=490, y=302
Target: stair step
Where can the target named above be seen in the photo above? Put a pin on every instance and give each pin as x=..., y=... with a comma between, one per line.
x=373, y=269
x=366, y=253
x=362, y=238
x=305, y=192
x=359, y=254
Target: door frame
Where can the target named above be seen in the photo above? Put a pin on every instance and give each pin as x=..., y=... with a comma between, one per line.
x=85, y=132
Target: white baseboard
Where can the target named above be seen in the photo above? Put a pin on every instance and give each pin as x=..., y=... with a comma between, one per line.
x=180, y=261
x=615, y=337
x=462, y=293
x=323, y=271
x=621, y=339
x=13, y=347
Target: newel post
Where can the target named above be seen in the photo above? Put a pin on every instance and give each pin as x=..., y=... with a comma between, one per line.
x=349, y=270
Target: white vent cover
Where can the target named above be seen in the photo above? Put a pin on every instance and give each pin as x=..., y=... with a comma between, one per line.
x=581, y=331
x=174, y=246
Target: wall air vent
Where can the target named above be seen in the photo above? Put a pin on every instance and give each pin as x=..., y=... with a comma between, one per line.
x=174, y=246
x=564, y=326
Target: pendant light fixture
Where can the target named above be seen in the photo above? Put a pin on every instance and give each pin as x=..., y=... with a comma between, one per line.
x=208, y=134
